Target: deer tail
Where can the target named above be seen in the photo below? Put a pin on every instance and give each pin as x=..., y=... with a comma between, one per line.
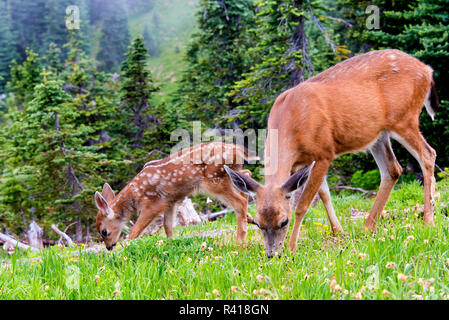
x=432, y=102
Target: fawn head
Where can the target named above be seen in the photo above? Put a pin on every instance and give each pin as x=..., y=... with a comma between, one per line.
x=108, y=224
x=273, y=210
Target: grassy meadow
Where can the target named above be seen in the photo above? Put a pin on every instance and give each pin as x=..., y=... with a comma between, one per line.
x=404, y=260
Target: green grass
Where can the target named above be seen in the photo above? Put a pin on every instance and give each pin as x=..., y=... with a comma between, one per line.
x=184, y=268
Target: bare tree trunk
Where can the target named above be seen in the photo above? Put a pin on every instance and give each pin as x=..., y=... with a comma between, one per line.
x=34, y=235
x=187, y=214
x=75, y=185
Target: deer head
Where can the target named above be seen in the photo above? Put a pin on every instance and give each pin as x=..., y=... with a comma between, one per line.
x=272, y=203
x=108, y=224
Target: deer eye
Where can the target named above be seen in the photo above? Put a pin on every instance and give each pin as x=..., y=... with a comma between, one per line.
x=104, y=233
x=283, y=224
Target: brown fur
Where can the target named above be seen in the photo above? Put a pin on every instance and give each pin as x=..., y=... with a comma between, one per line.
x=163, y=183
x=356, y=105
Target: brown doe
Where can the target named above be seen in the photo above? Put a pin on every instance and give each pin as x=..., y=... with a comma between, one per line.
x=353, y=106
x=162, y=184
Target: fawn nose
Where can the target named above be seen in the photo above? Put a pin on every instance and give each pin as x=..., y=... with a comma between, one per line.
x=110, y=247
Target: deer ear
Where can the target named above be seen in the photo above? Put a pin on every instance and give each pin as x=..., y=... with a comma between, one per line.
x=243, y=182
x=297, y=179
x=107, y=193
x=101, y=203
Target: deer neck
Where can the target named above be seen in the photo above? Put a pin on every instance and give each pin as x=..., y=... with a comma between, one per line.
x=278, y=160
x=125, y=204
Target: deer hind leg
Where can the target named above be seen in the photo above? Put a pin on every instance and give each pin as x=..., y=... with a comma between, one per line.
x=169, y=220
x=326, y=198
x=415, y=143
x=390, y=171
x=313, y=185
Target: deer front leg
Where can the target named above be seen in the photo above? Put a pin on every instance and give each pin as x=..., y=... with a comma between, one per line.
x=326, y=198
x=147, y=215
x=169, y=220
x=313, y=184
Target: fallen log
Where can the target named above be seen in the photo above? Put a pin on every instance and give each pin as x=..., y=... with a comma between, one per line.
x=214, y=216
x=16, y=243
x=370, y=192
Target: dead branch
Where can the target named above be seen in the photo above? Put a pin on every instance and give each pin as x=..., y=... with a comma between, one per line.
x=322, y=30
x=346, y=23
x=370, y=192
x=16, y=243
x=441, y=170
x=214, y=216
x=62, y=234
x=155, y=151
x=74, y=89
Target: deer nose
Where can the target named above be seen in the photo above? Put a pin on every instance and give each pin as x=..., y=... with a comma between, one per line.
x=110, y=247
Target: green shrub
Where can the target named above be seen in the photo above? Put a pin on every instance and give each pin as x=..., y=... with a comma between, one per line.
x=369, y=180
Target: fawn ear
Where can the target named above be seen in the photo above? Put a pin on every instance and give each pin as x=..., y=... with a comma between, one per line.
x=107, y=193
x=101, y=204
x=243, y=182
x=297, y=179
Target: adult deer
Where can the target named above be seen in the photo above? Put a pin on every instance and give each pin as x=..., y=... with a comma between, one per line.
x=162, y=184
x=353, y=106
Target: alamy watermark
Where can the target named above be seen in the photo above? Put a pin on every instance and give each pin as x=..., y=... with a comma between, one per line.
x=373, y=20
x=72, y=19
x=257, y=143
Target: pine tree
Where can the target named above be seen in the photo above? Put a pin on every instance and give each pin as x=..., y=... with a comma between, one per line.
x=50, y=170
x=7, y=48
x=28, y=23
x=281, y=58
x=216, y=58
x=136, y=90
x=25, y=77
x=151, y=42
x=115, y=35
x=53, y=59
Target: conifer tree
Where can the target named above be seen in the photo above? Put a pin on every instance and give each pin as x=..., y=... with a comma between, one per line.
x=280, y=58
x=136, y=90
x=56, y=170
x=115, y=35
x=216, y=58
x=7, y=49
x=25, y=77
x=151, y=42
